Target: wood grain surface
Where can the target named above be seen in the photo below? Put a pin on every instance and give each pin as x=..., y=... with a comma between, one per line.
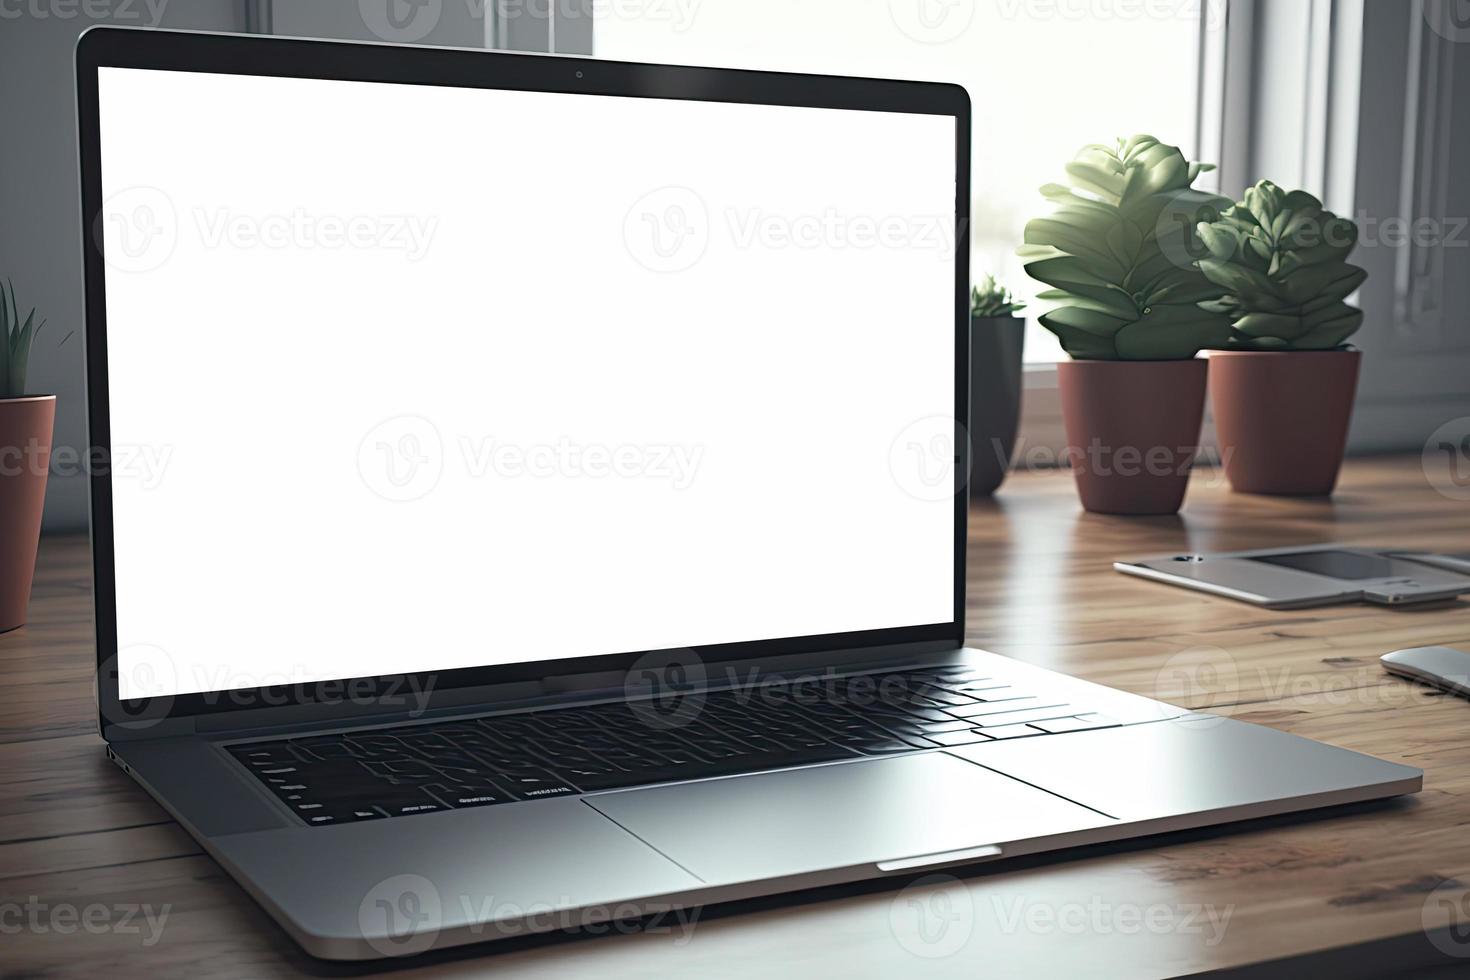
x=95, y=880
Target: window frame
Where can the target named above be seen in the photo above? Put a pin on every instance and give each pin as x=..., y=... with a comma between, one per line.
x=1222, y=124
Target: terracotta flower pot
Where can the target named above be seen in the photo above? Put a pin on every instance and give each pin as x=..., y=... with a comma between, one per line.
x=996, y=345
x=1133, y=430
x=25, y=455
x=1283, y=417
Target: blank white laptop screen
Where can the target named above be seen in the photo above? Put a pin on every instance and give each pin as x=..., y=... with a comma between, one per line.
x=413, y=378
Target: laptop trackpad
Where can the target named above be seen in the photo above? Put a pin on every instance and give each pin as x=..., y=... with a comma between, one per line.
x=798, y=821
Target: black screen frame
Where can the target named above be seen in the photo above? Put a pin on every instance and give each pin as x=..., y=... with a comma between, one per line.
x=302, y=58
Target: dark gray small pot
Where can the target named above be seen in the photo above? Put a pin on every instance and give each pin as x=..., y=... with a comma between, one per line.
x=996, y=347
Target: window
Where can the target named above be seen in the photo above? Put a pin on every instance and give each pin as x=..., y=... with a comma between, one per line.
x=1046, y=77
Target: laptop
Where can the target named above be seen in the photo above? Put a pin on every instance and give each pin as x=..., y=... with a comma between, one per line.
x=533, y=497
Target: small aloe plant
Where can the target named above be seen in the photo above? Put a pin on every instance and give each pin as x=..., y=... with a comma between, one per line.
x=15, y=343
x=990, y=299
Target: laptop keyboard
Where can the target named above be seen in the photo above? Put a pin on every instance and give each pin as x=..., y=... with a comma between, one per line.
x=376, y=773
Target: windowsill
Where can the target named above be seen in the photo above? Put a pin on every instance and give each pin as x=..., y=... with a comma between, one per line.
x=1042, y=438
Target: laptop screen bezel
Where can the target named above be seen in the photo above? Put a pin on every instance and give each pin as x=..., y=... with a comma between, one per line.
x=107, y=47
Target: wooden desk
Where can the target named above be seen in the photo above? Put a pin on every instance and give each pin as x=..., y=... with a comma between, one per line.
x=76, y=833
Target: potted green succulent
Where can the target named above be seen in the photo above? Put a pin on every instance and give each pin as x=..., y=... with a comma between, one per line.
x=25, y=455
x=1119, y=252
x=1283, y=384
x=997, y=342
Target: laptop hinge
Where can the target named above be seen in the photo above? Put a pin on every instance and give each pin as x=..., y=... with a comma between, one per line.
x=420, y=700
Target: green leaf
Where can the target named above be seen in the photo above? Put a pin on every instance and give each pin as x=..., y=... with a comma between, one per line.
x=20, y=355
x=5, y=342
x=1300, y=201
x=1222, y=241
x=1309, y=282
x=1252, y=287
x=1260, y=325
x=1169, y=333
x=1065, y=272
x=1195, y=169
x=1087, y=321
x=1124, y=241
x=1079, y=343
x=1330, y=328
x=1192, y=290
x=1225, y=305
x=16, y=338
x=1110, y=186
x=1083, y=242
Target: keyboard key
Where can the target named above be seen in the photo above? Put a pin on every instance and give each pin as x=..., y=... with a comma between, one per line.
x=1024, y=717
x=532, y=786
x=417, y=806
x=463, y=797
x=1083, y=724
x=1002, y=707
x=947, y=697
x=268, y=756
x=1012, y=731
x=966, y=737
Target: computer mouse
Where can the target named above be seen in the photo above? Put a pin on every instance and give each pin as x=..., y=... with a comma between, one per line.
x=1443, y=667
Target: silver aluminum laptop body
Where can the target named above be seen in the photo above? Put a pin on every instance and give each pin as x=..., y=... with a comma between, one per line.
x=1055, y=764
x=403, y=886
